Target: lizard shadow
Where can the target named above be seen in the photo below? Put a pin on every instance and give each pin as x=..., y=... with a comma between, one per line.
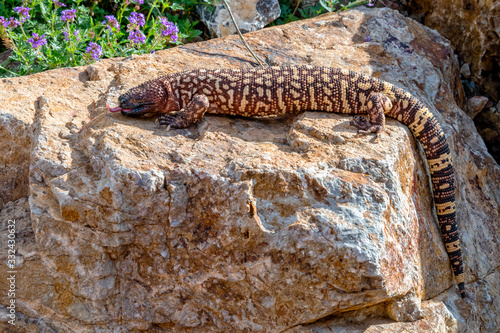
x=273, y=130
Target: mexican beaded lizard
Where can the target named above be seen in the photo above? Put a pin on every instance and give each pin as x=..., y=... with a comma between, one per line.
x=276, y=91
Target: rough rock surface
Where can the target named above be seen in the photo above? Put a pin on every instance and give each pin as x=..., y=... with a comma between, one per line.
x=249, y=15
x=246, y=225
x=474, y=105
x=488, y=124
x=473, y=27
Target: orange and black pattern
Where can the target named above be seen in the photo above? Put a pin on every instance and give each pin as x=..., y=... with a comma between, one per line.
x=275, y=91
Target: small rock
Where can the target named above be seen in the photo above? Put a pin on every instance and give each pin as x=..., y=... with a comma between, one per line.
x=406, y=308
x=475, y=105
x=249, y=15
x=465, y=70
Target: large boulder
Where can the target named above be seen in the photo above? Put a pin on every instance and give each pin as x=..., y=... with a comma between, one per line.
x=242, y=224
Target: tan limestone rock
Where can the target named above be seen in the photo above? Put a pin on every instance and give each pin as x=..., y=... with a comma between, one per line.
x=445, y=313
x=33, y=283
x=249, y=225
x=437, y=319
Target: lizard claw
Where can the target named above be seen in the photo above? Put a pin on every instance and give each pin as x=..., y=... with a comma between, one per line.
x=166, y=119
x=158, y=125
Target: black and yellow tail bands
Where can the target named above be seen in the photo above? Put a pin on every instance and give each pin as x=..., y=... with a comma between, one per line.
x=429, y=133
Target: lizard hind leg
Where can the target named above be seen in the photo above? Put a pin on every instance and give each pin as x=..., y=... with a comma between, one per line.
x=377, y=105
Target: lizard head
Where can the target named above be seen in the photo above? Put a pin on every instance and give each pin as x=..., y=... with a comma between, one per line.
x=149, y=97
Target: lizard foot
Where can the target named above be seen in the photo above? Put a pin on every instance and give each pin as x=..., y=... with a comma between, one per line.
x=172, y=121
x=365, y=127
x=360, y=123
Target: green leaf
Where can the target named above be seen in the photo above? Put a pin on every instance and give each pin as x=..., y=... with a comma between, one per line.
x=328, y=5
x=176, y=7
x=45, y=9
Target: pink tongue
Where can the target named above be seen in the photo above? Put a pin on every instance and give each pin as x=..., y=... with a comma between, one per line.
x=117, y=109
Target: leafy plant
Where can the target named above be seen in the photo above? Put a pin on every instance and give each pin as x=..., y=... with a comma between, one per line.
x=48, y=34
x=311, y=11
x=287, y=14
x=290, y=13
x=336, y=5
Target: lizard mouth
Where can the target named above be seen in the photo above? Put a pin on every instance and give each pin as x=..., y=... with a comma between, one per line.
x=135, y=111
x=117, y=109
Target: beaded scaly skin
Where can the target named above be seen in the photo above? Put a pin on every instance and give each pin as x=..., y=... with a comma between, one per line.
x=276, y=91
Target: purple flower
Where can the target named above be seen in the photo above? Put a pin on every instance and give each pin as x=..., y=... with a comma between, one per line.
x=9, y=23
x=4, y=22
x=112, y=24
x=367, y=39
x=12, y=23
x=59, y=4
x=68, y=15
x=76, y=34
x=370, y=3
x=138, y=2
x=95, y=50
x=37, y=41
x=24, y=13
x=169, y=29
x=136, y=36
x=137, y=19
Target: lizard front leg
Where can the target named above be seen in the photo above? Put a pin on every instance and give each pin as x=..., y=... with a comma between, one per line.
x=377, y=104
x=187, y=116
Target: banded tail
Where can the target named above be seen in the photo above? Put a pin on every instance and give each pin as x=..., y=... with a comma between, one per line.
x=427, y=130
